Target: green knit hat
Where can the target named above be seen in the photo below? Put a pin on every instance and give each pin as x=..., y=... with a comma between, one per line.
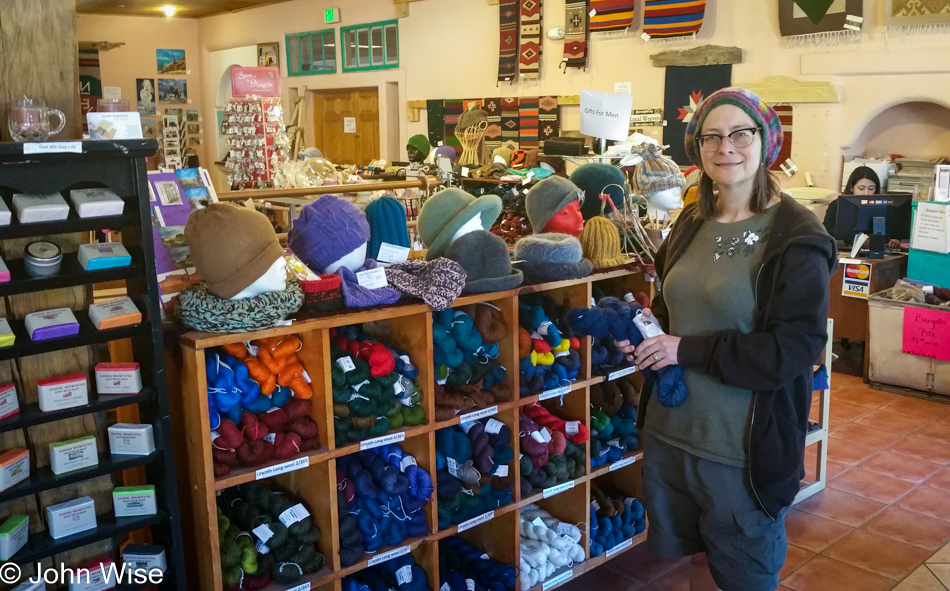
x=447, y=211
x=421, y=143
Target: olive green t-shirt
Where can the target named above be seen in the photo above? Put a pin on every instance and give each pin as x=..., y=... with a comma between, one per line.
x=711, y=288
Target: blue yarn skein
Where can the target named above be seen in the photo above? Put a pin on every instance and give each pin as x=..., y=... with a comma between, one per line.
x=221, y=386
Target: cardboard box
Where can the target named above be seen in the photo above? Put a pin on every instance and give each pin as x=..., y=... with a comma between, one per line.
x=9, y=404
x=14, y=467
x=96, y=581
x=51, y=324
x=114, y=313
x=40, y=208
x=68, y=391
x=118, y=378
x=7, y=338
x=93, y=203
x=14, y=534
x=131, y=439
x=106, y=255
x=75, y=454
x=71, y=517
x=132, y=501
x=144, y=556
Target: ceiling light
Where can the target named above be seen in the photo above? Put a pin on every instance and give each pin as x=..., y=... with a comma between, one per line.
x=169, y=10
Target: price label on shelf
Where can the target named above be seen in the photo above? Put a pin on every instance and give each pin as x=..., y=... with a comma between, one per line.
x=622, y=463
x=303, y=587
x=621, y=372
x=555, y=490
x=52, y=147
x=555, y=581
x=620, y=547
x=384, y=440
x=386, y=556
x=465, y=525
x=478, y=414
x=290, y=466
x=555, y=393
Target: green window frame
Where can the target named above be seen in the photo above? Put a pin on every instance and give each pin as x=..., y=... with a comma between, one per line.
x=373, y=46
x=311, y=53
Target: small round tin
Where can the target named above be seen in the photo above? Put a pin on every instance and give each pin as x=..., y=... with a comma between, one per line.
x=42, y=259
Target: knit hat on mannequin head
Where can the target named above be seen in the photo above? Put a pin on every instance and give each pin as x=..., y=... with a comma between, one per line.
x=763, y=115
x=387, y=223
x=421, y=143
x=446, y=151
x=504, y=153
x=231, y=247
x=552, y=257
x=547, y=198
x=327, y=230
x=594, y=178
x=470, y=118
x=487, y=265
x=601, y=243
x=655, y=173
x=444, y=214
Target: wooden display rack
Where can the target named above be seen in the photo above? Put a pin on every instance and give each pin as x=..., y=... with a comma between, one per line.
x=312, y=475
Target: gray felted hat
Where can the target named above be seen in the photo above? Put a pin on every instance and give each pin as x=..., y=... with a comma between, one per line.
x=552, y=257
x=485, y=259
x=447, y=211
x=470, y=118
x=547, y=198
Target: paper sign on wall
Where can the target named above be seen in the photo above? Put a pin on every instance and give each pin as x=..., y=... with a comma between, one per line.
x=349, y=125
x=262, y=81
x=606, y=115
x=927, y=333
x=931, y=227
x=856, y=280
x=623, y=87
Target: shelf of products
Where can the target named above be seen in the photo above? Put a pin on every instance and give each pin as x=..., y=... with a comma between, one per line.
x=257, y=142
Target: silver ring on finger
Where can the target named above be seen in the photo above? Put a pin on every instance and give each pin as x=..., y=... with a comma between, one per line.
x=656, y=357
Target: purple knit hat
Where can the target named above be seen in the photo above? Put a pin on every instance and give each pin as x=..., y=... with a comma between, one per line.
x=763, y=115
x=327, y=230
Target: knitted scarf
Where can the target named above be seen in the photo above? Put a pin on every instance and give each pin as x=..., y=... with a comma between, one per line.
x=438, y=282
x=508, y=45
x=202, y=310
x=575, y=34
x=529, y=49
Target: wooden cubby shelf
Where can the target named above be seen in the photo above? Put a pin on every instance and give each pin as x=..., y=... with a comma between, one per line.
x=408, y=327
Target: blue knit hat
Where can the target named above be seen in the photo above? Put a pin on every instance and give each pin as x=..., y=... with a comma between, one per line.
x=387, y=223
x=327, y=230
x=764, y=116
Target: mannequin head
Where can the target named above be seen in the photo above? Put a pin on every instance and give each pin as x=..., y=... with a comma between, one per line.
x=274, y=279
x=352, y=260
x=554, y=205
x=567, y=220
x=330, y=233
x=418, y=148
x=659, y=203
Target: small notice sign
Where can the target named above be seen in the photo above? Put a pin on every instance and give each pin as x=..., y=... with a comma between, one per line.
x=856, y=280
x=927, y=333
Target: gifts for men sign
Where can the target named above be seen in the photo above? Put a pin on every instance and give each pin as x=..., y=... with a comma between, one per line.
x=927, y=333
x=606, y=115
x=261, y=81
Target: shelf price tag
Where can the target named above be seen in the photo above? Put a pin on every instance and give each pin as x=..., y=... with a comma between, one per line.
x=622, y=463
x=303, y=587
x=554, y=490
x=555, y=581
x=383, y=440
x=386, y=556
x=621, y=372
x=290, y=466
x=52, y=147
x=555, y=393
x=465, y=525
x=478, y=414
x=620, y=547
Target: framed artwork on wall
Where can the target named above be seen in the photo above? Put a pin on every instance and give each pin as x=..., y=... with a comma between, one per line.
x=267, y=54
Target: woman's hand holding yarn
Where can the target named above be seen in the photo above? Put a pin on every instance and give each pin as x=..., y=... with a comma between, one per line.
x=658, y=352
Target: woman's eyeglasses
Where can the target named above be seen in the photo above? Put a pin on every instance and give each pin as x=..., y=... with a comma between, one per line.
x=740, y=138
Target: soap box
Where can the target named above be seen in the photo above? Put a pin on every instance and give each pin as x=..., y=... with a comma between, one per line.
x=61, y=392
x=7, y=338
x=71, y=517
x=144, y=556
x=131, y=439
x=4, y=213
x=106, y=255
x=14, y=467
x=14, y=533
x=66, y=456
x=4, y=272
x=51, y=324
x=131, y=501
x=9, y=405
x=93, y=203
x=28, y=586
x=40, y=208
x=96, y=579
x=116, y=378
x=114, y=313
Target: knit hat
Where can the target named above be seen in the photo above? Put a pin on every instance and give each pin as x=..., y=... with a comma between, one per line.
x=518, y=159
x=531, y=158
x=763, y=115
x=655, y=173
x=437, y=283
x=547, y=198
x=552, y=257
x=231, y=247
x=503, y=152
x=487, y=265
x=421, y=143
x=387, y=223
x=594, y=178
x=601, y=243
x=469, y=118
x=327, y=230
x=447, y=151
x=447, y=211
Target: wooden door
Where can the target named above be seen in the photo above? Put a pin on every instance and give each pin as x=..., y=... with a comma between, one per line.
x=331, y=109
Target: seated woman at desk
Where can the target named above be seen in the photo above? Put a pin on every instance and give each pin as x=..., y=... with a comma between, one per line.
x=863, y=181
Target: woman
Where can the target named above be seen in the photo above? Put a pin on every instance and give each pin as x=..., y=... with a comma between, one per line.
x=863, y=181
x=744, y=277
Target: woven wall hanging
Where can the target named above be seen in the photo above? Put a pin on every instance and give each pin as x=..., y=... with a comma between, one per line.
x=818, y=22
x=529, y=48
x=508, y=42
x=917, y=17
x=575, y=34
x=611, y=16
x=673, y=18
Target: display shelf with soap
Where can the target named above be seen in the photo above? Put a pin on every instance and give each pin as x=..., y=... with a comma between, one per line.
x=31, y=415
x=71, y=273
x=88, y=335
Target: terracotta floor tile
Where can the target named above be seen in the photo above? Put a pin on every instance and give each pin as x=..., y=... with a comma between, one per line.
x=878, y=554
x=916, y=408
x=602, y=578
x=846, y=411
x=942, y=572
x=643, y=565
x=940, y=479
x=811, y=532
x=834, y=468
x=862, y=396
x=920, y=580
x=795, y=557
x=929, y=501
x=866, y=435
x=841, y=507
x=923, y=448
x=848, y=452
x=825, y=574
x=846, y=380
x=871, y=485
x=891, y=421
x=675, y=580
x=942, y=556
x=937, y=430
x=901, y=466
x=910, y=527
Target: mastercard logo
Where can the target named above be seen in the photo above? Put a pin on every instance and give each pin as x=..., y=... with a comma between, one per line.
x=859, y=271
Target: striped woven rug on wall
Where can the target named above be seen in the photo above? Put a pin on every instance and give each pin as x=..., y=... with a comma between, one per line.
x=508, y=41
x=529, y=48
x=673, y=18
x=611, y=15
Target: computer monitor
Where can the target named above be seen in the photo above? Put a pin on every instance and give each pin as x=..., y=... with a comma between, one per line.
x=873, y=214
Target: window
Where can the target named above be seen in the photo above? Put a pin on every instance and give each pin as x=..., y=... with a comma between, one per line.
x=374, y=46
x=311, y=53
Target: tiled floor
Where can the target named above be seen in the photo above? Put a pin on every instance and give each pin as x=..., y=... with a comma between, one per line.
x=877, y=525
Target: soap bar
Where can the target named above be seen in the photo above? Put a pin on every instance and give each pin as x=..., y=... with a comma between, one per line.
x=9, y=404
x=118, y=378
x=71, y=517
x=5, y=216
x=106, y=255
x=96, y=580
x=75, y=454
x=4, y=272
x=14, y=533
x=131, y=439
x=144, y=557
x=93, y=203
x=7, y=338
x=114, y=313
x=51, y=324
x=62, y=392
x=40, y=208
x=131, y=501
x=14, y=467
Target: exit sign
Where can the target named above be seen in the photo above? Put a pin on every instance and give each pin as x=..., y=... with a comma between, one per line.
x=331, y=15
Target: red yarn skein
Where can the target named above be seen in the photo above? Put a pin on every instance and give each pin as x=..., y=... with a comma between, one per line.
x=305, y=427
x=286, y=445
x=224, y=456
x=558, y=443
x=230, y=437
x=297, y=408
x=380, y=361
x=253, y=429
x=275, y=419
x=553, y=423
x=254, y=453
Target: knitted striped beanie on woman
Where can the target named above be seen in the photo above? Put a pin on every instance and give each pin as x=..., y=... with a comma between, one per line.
x=763, y=115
